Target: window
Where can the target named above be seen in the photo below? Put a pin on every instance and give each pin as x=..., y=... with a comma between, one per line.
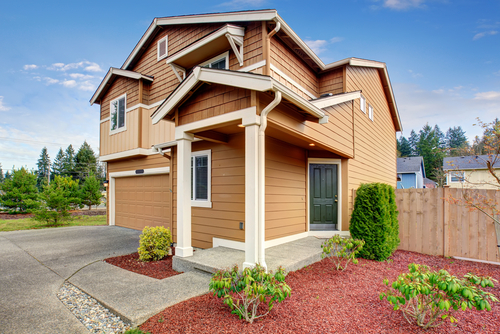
x=370, y=112
x=457, y=176
x=201, y=178
x=362, y=104
x=220, y=62
x=117, y=113
x=162, y=47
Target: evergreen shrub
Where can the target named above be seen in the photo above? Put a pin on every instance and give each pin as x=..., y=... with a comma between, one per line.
x=375, y=220
x=154, y=243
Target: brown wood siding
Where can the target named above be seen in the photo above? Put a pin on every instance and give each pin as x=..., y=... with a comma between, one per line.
x=151, y=161
x=228, y=194
x=285, y=189
x=291, y=65
x=119, y=87
x=213, y=100
x=331, y=82
x=252, y=47
x=121, y=141
x=152, y=134
x=374, y=142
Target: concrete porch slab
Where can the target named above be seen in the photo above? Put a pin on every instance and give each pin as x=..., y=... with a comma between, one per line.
x=291, y=255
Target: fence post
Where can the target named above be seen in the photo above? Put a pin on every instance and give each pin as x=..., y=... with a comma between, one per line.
x=446, y=217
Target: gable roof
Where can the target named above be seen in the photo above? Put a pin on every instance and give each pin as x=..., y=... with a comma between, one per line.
x=468, y=162
x=411, y=165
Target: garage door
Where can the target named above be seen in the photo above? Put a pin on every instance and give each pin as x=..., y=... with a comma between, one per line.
x=142, y=201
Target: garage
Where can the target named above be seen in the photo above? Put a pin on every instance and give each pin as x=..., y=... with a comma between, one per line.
x=142, y=201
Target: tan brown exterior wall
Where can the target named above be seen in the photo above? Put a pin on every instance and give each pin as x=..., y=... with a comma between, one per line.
x=374, y=142
x=213, y=100
x=286, y=167
x=332, y=82
x=119, y=87
x=477, y=179
x=252, y=47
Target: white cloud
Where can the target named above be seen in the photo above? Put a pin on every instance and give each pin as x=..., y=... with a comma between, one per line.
x=37, y=78
x=93, y=67
x=483, y=34
x=30, y=67
x=242, y=3
x=403, y=4
x=81, y=76
x=86, y=65
x=488, y=96
x=317, y=46
x=69, y=83
x=414, y=74
x=86, y=86
x=2, y=106
x=50, y=81
x=336, y=39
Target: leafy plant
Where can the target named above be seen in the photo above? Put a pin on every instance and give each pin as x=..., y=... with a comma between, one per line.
x=375, y=220
x=244, y=291
x=135, y=331
x=18, y=192
x=341, y=250
x=428, y=298
x=154, y=243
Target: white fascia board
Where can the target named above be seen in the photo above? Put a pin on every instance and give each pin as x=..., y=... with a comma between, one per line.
x=298, y=100
x=126, y=154
x=243, y=16
x=103, y=84
x=336, y=99
x=165, y=145
x=228, y=29
x=141, y=43
x=244, y=80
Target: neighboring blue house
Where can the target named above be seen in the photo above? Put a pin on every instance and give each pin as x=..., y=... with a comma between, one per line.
x=411, y=172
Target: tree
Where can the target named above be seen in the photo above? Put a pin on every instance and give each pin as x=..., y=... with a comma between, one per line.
x=456, y=140
x=19, y=191
x=413, y=140
x=1, y=174
x=429, y=147
x=85, y=161
x=90, y=193
x=69, y=162
x=440, y=136
x=58, y=165
x=404, y=147
x=8, y=176
x=43, y=166
x=57, y=198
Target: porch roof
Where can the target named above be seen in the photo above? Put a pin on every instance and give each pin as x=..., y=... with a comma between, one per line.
x=252, y=81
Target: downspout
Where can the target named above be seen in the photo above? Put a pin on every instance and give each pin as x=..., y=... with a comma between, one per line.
x=261, y=230
x=268, y=47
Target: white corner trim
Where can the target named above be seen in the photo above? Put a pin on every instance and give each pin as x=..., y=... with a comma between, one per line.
x=336, y=99
x=126, y=154
x=293, y=82
x=104, y=120
x=112, y=186
x=219, y=242
x=253, y=67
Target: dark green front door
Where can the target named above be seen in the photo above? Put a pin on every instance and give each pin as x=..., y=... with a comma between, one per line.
x=323, y=197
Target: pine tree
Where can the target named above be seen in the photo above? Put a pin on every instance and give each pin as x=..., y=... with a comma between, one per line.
x=8, y=176
x=1, y=174
x=440, y=136
x=456, y=141
x=19, y=191
x=58, y=165
x=85, y=161
x=90, y=193
x=429, y=147
x=43, y=165
x=413, y=140
x=404, y=147
x=69, y=162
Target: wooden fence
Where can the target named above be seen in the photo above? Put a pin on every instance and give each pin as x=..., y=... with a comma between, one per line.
x=430, y=224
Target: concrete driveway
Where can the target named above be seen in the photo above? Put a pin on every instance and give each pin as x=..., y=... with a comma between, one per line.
x=34, y=265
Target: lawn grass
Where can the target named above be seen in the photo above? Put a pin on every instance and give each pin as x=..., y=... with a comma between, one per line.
x=30, y=223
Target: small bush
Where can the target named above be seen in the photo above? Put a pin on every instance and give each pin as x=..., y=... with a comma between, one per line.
x=341, y=250
x=135, y=331
x=244, y=292
x=375, y=220
x=154, y=243
x=428, y=298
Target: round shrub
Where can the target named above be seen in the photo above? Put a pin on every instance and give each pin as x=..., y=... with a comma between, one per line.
x=154, y=243
x=375, y=220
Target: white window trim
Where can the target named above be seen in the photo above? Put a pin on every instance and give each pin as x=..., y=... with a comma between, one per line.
x=455, y=173
x=216, y=58
x=124, y=128
x=158, y=48
x=326, y=161
x=370, y=112
x=208, y=202
x=362, y=104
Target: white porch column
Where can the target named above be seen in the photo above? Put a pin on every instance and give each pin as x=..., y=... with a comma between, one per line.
x=184, y=248
x=251, y=195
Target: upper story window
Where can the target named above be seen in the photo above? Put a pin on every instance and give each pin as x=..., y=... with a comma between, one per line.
x=201, y=162
x=162, y=47
x=220, y=62
x=362, y=104
x=370, y=112
x=117, y=113
x=457, y=176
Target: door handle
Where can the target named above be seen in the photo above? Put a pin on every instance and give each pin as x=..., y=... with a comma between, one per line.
x=336, y=201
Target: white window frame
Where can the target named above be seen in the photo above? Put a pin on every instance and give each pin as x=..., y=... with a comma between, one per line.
x=362, y=104
x=124, y=127
x=370, y=112
x=216, y=58
x=160, y=57
x=203, y=203
x=457, y=174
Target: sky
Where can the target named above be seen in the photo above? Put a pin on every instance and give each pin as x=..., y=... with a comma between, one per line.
x=443, y=59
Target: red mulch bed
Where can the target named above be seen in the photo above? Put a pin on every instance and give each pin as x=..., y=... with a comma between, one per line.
x=156, y=269
x=327, y=301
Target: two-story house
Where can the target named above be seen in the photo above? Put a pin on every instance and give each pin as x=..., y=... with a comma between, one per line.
x=228, y=129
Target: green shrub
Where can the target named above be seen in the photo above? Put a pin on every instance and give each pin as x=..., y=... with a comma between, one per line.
x=244, y=292
x=428, y=298
x=154, y=243
x=375, y=220
x=18, y=192
x=135, y=331
x=341, y=250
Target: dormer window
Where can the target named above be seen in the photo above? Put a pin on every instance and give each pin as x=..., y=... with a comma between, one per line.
x=117, y=114
x=219, y=62
x=162, y=47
